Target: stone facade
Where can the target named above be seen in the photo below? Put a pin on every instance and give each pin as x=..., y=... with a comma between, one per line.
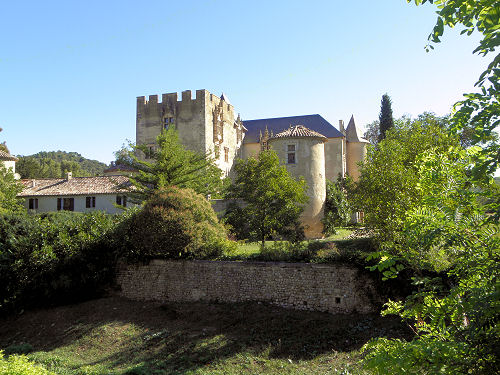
x=318, y=287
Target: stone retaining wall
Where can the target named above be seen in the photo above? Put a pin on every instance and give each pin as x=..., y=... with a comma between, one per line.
x=320, y=287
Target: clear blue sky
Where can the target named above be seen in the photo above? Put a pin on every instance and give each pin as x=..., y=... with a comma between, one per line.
x=70, y=71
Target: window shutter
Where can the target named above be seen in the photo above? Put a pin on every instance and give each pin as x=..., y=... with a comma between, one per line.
x=93, y=201
x=59, y=204
x=87, y=202
x=71, y=204
x=36, y=203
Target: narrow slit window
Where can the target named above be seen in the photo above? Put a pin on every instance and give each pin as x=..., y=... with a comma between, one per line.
x=291, y=154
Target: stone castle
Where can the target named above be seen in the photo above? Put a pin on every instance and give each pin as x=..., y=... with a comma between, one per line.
x=308, y=146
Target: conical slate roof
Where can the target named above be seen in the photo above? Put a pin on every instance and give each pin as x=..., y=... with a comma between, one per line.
x=6, y=156
x=299, y=131
x=353, y=134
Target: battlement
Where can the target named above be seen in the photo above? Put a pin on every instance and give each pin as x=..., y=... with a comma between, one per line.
x=173, y=97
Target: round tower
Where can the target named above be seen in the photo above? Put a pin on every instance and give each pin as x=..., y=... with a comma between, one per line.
x=302, y=151
x=355, y=150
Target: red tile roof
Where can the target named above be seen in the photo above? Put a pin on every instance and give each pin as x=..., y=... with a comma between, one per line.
x=299, y=131
x=75, y=186
x=6, y=156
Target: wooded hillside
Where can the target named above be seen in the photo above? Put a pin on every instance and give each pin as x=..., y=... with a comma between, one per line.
x=55, y=164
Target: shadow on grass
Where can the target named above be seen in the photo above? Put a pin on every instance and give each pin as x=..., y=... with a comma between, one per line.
x=180, y=337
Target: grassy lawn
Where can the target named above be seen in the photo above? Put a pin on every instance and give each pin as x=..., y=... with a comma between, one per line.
x=118, y=336
x=331, y=249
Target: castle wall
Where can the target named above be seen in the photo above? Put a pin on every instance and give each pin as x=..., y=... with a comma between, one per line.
x=356, y=153
x=335, y=155
x=250, y=149
x=9, y=164
x=309, y=163
x=321, y=287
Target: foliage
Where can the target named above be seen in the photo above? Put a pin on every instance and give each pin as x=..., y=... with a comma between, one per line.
x=273, y=199
x=372, y=133
x=386, y=121
x=9, y=188
x=478, y=113
x=171, y=164
x=174, y=223
x=454, y=316
x=387, y=187
x=337, y=212
x=54, y=258
x=55, y=164
x=20, y=365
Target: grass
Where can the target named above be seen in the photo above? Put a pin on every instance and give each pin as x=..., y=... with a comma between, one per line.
x=117, y=336
x=339, y=247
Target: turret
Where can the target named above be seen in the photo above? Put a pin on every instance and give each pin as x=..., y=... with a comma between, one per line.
x=356, y=149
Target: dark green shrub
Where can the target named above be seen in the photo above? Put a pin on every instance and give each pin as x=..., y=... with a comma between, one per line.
x=54, y=258
x=18, y=349
x=174, y=223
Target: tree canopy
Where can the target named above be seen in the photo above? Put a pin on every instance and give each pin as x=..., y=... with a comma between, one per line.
x=273, y=199
x=55, y=164
x=9, y=188
x=170, y=164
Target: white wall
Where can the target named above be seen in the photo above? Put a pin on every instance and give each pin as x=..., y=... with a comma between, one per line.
x=103, y=202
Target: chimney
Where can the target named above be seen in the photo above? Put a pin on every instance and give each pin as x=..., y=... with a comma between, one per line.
x=341, y=126
x=33, y=183
x=69, y=176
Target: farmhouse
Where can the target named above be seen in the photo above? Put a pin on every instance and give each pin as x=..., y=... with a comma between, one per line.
x=81, y=194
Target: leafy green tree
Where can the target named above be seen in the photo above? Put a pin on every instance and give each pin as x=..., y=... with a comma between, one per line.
x=478, y=115
x=454, y=314
x=387, y=187
x=372, y=133
x=273, y=199
x=9, y=188
x=170, y=164
x=337, y=212
x=386, y=121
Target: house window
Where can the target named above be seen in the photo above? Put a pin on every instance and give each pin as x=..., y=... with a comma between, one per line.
x=121, y=200
x=33, y=204
x=291, y=154
x=90, y=202
x=226, y=154
x=66, y=204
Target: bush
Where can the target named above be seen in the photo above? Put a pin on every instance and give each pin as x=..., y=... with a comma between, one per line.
x=20, y=365
x=54, y=258
x=176, y=224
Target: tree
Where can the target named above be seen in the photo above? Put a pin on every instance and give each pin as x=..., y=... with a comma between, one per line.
x=171, y=164
x=273, y=199
x=454, y=314
x=9, y=188
x=479, y=112
x=386, y=121
x=337, y=212
x=387, y=187
x=372, y=133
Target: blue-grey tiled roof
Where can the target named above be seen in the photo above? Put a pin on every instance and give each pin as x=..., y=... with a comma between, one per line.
x=276, y=125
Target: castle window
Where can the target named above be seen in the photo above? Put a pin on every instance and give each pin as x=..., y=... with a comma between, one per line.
x=226, y=154
x=165, y=123
x=33, y=204
x=291, y=154
x=90, y=202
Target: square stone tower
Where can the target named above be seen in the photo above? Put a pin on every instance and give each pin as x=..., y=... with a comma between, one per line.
x=205, y=124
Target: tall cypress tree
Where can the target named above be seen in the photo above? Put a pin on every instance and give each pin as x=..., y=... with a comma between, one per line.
x=385, y=117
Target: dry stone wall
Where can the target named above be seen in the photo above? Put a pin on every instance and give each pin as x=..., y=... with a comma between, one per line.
x=319, y=287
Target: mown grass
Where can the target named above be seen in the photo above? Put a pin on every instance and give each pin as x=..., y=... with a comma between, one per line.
x=118, y=337
x=337, y=248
